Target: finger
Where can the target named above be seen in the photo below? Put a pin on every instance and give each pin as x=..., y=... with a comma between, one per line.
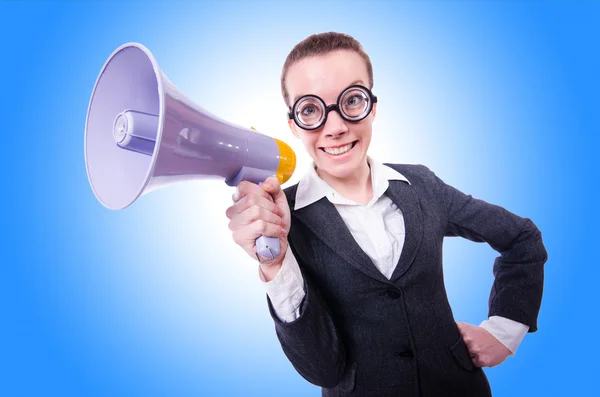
x=247, y=235
x=467, y=337
x=474, y=347
x=271, y=185
x=478, y=362
x=470, y=345
x=465, y=330
x=251, y=200
x=244, y=188
x=463, y=325
x=236, y=195
x=253, y=214
x=263, y=228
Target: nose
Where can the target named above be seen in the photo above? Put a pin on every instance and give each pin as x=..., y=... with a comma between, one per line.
x=335, y=125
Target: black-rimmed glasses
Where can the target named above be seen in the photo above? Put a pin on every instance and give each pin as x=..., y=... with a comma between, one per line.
x=353, y=104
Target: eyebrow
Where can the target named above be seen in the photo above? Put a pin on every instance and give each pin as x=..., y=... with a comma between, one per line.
x=359, y=81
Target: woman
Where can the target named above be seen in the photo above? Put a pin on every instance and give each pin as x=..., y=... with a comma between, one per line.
x=357, y=294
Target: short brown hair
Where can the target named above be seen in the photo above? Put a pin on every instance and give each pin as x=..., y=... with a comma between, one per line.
x=321, y=44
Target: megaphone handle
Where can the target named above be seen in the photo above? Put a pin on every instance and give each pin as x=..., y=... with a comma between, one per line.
x=267, y=247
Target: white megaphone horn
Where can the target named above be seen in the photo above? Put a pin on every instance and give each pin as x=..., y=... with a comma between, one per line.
x=142, y=133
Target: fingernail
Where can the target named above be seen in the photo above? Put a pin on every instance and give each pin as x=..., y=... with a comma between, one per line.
x=236, y=194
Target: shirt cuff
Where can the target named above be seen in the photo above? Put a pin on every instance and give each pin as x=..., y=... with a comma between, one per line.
x=508, y=332
x=286, y=289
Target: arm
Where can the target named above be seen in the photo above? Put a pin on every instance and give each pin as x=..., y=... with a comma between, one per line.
x=308, y=335
x=286, y=288
x=516, y=294
x=519, y=270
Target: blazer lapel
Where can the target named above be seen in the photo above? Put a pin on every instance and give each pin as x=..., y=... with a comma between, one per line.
x=326, y=223
x=404, y=196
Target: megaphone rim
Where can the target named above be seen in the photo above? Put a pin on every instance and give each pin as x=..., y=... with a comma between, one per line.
x=158, y=74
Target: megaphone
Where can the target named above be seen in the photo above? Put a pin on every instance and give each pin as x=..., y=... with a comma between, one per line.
x=142, y=134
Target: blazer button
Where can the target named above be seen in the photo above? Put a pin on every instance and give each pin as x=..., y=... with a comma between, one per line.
x=406, y=353
x=393, y=293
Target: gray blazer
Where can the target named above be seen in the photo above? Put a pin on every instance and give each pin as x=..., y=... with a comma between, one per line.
x=360, y=334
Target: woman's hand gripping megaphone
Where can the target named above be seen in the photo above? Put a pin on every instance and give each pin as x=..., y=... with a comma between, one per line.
x=260, y=210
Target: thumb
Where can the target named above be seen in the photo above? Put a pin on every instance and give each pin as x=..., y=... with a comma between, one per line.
x=271, y=185
x=462, y=327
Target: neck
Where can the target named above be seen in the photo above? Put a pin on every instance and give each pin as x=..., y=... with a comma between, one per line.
x=356, y=186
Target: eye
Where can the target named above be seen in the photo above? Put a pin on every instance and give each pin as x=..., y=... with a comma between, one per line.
x=308, y=110
x=355, y=100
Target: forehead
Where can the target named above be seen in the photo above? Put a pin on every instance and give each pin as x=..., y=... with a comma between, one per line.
x=326, y=75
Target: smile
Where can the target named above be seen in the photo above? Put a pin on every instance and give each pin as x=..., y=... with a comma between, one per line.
x=338, y=150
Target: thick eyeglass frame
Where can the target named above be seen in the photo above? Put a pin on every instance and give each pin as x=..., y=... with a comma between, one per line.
x=335, y=106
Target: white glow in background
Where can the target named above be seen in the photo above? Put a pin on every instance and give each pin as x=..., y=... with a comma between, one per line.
x=157, y=299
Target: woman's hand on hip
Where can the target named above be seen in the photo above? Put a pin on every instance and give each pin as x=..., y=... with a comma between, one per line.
x=485, y=350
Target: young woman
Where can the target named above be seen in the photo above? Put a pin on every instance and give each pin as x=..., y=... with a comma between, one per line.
x=357, y=294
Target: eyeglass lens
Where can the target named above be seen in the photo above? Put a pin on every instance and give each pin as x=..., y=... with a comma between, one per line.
x=354, y=104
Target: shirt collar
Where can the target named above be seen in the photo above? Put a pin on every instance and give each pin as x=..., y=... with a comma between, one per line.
x=312, y=188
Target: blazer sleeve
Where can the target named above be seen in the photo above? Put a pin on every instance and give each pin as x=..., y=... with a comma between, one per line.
x=519, y=270
x=311, y=342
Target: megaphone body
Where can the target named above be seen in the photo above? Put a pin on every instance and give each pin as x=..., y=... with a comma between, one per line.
x=142, y=134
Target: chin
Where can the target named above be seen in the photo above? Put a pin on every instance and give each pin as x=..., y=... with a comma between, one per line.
x=341, y=174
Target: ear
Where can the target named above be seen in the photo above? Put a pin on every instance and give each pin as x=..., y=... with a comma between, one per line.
x=293, y=127
x=374, y=110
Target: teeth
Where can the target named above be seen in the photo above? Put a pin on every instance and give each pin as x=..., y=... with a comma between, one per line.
x=338, y=150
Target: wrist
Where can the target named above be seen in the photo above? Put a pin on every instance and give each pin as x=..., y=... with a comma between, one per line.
x=270, y=270
x=271, y=267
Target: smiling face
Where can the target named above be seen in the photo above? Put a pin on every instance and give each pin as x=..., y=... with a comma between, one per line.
x=339, y=147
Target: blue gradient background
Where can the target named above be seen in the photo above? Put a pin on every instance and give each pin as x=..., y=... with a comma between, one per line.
x=500, y=99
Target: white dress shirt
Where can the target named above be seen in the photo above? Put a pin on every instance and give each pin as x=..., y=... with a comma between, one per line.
x=378, y=228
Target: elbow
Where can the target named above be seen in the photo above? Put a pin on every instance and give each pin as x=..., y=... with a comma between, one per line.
x=333, y=377
x=531, y=237
x=540, y=249
x=327, y=379
x=543, y=252
x=325, y=382
x=326, y=372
